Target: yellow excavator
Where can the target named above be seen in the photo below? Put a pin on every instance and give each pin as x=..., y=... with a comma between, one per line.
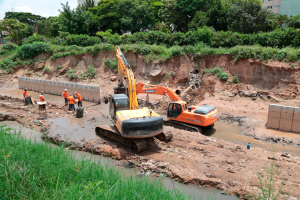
x=131, y=123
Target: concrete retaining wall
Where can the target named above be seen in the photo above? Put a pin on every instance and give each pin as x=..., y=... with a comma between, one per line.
x=284, y=118
x=88, y=92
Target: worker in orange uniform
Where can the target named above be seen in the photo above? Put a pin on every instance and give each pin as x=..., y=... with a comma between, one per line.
x=71, y=102
x=42, y=99
x=65, y=95
x=25, y=96
x=79, y=99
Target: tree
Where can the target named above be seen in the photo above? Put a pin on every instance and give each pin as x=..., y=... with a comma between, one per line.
x=198, y=21
x=172, y=16
x=281, y=19
x=218, y=14
x=189, y=7
x=136, y=15
x=248, y=17
x=48, y=27
x=106, y=15
x=24, y=17
x=76, y=21
x=294, y=21
x=88, y=4
x=14, y=28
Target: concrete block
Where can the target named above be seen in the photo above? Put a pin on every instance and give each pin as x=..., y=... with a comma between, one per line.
x=60, y=87
x=85, y=92
x=30, y=84
x=40, y=85
x=21, y=82
x=296, y=121
x=47, y=87
x=274, y=116
x=286, y=118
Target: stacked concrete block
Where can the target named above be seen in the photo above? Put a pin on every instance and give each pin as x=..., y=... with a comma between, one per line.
x=274, y=116
x=21, y=82
x=88, y=92
x=47, y=87
x=286, y=118
x=296, y=121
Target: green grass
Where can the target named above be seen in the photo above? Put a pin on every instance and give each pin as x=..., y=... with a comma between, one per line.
x=89, y=73
x=71, y=74
x=46, y=69
x=111, y=63
x=162, y=53
x=30, y=170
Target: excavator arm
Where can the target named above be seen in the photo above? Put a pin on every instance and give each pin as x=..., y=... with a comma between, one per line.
x=142, y=88
x=126, y=80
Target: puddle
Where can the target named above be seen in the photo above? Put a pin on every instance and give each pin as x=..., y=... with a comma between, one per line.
x=194, y=191
x=229, y=132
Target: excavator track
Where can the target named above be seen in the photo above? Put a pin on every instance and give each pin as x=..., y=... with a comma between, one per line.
x=111, y=132
x=139, y=145
x=183, y=126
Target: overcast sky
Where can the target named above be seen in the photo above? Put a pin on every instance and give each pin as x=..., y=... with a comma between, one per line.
x=44, y=8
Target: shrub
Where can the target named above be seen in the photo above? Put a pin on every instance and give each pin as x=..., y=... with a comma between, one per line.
x=59, y=67
x=111, y=63
x=90, y=73
x=32, y=50
x=9, y=46
x=46, y=69
x=32, y=39
x=224, y=76
x=292, y=66
x=81, y=40
x=235, y=79
x=71, y=74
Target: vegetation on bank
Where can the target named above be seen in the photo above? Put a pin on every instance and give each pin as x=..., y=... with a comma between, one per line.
x=31, y=170
x=24, y=55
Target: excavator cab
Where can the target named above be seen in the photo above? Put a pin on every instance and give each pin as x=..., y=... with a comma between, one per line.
x=117, y=102
x=174, y=110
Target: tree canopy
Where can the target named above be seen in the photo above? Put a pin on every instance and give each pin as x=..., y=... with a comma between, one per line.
x=14, y=28
x=24, y=17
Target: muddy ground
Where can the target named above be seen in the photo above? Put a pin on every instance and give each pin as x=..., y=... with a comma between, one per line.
x=189, y=158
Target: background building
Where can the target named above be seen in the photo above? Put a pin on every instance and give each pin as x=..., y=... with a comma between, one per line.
x=80, y=2
x=290, y=7
x=273, y=5
x=283, y=7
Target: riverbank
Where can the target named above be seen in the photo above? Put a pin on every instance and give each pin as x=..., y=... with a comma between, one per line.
x=39, y=171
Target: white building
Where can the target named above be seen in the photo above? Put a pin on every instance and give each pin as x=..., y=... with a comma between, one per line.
x=80, y=2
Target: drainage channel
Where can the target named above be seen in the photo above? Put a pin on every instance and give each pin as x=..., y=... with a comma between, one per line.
x=193, y=191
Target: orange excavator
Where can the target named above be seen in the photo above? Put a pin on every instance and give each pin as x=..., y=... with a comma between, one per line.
x=178, y=112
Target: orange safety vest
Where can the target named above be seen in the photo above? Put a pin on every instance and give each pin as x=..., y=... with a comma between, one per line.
x=25, y=93
x=65, y=94
x=42, y=98
x=79, y=97
x=71, y=99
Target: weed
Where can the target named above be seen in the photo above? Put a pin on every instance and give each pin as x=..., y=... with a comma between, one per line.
x=219, y=72
x=224, y=76
x=266, y=189
x=235, y=79
x=111, y=63
x=71, y=74
x=59, y=67
x=90, y=73
x=292, y=66
x=46, y=69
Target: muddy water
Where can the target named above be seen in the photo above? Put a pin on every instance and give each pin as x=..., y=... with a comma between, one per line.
x=229, y=132
x=193, y=191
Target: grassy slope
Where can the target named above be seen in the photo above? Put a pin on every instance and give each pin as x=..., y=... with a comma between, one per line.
x=29, y=170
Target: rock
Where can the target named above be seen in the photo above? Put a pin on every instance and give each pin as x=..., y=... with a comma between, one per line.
x=231, y=94
x=162, y=165
x=250, y=87
x=113, y=78
x=253, y=93
x=292, y=198
x=272, y=98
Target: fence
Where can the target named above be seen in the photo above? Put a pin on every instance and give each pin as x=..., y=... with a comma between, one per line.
x=88, y=92
x=284, y=118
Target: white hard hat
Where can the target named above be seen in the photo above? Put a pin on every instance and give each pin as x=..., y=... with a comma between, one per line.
x=65, y=89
